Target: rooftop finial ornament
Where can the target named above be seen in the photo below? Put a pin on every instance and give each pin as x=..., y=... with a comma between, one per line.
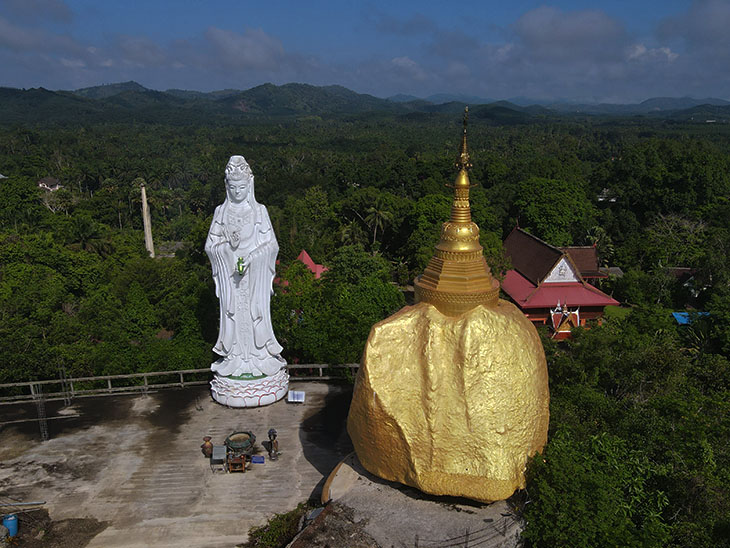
x=464, y=161
x=457, y=277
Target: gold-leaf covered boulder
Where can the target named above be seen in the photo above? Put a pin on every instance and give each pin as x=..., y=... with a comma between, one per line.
x=451, y=406
x=452, y=393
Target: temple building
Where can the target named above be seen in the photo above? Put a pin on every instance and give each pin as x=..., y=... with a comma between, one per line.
x=549, y=283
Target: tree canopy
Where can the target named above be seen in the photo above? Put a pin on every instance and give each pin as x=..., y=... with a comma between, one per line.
x=638, y=452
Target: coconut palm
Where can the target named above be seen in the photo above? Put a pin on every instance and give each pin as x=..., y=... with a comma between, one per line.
x=377, y=218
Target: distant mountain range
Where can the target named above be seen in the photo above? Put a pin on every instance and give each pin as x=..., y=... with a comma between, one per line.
x=441, y=98
x=109, y=90
x=654, y=105
x=130, y=101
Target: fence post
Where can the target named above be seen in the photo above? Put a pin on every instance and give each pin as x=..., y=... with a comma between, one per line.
x=109, y=385
x=146, y=386
x=182, y=381
x=32, y=389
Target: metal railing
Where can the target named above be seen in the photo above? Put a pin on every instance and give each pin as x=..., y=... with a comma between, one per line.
x=105, y=385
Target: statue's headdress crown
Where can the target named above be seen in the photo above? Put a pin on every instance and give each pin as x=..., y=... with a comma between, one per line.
x=238, y=169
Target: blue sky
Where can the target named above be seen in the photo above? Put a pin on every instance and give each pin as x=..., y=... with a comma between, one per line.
x=618, y=51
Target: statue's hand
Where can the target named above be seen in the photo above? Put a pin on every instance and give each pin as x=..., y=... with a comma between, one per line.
x=235, y=239
x=247, y=260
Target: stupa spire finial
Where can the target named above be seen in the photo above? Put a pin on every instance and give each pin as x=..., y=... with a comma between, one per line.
x=464, y=162
x=460, y=208
x=457, y=277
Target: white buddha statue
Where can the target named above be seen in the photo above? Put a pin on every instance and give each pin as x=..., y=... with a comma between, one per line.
x=242, y=249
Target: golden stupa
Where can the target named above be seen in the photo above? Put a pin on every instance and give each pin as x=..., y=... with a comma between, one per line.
x=452, y=392
x=457, y=277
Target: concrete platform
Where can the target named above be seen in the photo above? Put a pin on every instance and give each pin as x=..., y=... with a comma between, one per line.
x=134, y=462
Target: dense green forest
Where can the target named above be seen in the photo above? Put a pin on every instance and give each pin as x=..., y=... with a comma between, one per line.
x=640, y=412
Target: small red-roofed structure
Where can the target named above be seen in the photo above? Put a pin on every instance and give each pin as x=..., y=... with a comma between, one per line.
x=548, y=283
x=306, y=260
x=316, y=269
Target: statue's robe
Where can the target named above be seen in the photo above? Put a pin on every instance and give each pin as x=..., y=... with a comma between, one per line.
x=246, y=339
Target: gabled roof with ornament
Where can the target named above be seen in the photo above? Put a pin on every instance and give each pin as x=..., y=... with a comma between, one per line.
x=306, y=260
x=564, y=319
x=527, y=295
x=530, y=256
x=535, y=281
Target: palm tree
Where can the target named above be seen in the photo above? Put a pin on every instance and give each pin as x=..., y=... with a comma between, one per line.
x=86, y=234
x=378, y=217
x=598, y=237
x=351, y=233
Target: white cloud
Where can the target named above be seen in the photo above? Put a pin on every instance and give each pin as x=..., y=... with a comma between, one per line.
x=140, y=51
x=703, y=26
x=72, y=63
x=254, y=49
x=409, y=68
x=639, y=52
x=547, y=33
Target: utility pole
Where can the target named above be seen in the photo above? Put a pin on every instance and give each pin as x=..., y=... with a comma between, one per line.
x=147, y=221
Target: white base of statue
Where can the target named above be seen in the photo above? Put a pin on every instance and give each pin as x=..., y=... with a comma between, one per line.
x=249, y=393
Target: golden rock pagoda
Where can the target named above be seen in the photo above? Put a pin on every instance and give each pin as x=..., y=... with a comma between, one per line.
x=452, y=393
x=457, y=277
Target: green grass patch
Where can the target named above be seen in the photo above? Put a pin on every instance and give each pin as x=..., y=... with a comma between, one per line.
x=279, y=531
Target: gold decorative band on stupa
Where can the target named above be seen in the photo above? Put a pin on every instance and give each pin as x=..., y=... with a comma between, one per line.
x=457, y=277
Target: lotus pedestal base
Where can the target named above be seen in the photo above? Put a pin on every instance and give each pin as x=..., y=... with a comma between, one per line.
x=234, y=392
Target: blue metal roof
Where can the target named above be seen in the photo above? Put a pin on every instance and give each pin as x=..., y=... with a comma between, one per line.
x=686, y=318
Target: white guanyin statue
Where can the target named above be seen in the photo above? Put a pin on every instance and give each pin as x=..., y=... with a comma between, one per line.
x=242, y=249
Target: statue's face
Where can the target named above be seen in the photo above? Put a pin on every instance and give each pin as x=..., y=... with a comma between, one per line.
x=238, y=190
x=238, y=179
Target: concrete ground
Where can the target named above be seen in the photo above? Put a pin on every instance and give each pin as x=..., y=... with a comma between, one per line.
x=134, y=462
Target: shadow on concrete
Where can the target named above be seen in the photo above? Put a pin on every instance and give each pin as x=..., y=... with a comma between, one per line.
x=171, y=411
x=323, y=434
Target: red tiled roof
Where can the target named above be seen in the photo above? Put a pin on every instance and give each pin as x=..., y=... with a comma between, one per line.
x=530, y=256
x=572, y=294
